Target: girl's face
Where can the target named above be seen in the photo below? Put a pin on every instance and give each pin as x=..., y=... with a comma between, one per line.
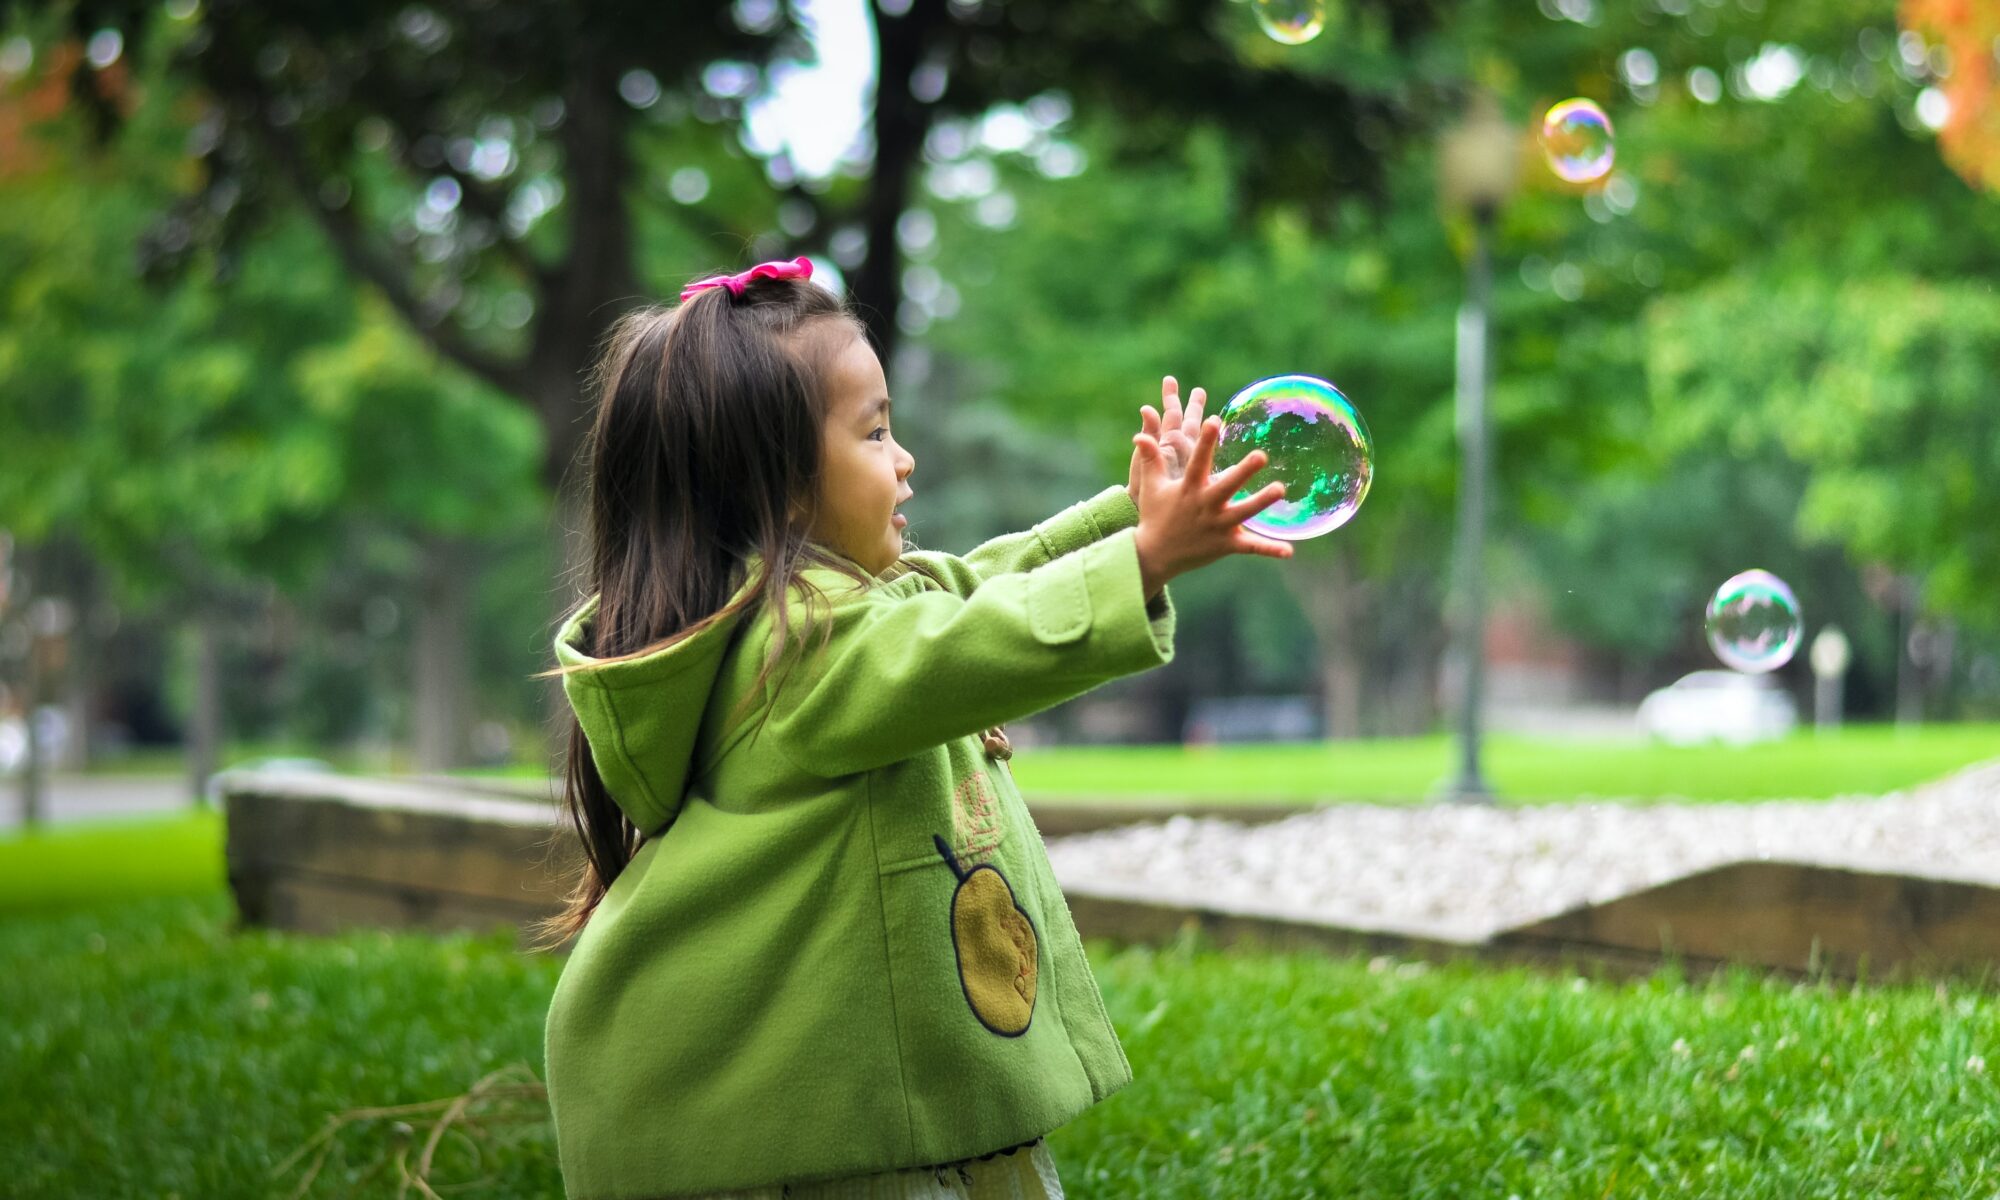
x=863, y=470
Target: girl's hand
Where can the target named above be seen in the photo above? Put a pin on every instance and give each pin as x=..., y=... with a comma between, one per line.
x=1173, y=431
x=1188, y=522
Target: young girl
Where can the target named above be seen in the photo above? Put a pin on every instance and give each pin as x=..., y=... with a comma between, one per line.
x=819, y=950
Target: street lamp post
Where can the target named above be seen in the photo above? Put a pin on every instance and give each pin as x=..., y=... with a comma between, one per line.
x=1477, y=171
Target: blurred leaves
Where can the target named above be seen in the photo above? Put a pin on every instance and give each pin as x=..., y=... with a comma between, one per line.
x=1882, y=388
x=202, y=434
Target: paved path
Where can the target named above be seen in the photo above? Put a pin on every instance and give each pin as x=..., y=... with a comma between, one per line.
x=69, y=799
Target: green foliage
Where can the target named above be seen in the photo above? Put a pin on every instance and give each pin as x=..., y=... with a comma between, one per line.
x=1881, y=388
x=1112, y=279
x=232, y=426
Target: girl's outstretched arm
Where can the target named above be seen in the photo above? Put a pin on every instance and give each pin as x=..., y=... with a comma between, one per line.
x=901, y=672
x=1072, y=529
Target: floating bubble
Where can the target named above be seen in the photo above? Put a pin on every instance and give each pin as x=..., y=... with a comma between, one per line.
x=1753, y=622
x=1293, y=22
x=1576, y=139
x=1319, y=449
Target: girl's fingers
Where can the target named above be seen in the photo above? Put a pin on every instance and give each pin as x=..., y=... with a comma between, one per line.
x=1234, y=477
x=1260, y=500
x=1251, y=543
x=1148, y=452
x=1203, y=461
x=1170, y=401
x=1195, y=399
x=1149, y=421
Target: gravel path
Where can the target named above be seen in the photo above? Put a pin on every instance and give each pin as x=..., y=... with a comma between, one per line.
x=1467, y=873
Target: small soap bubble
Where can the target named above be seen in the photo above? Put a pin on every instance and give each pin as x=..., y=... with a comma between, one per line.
x=1319, y=449
x=1753, y=622
x=1293, y=22
x=1576, y=139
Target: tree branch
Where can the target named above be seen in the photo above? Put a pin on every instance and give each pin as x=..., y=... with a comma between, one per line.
x=351, y=242
x=483, y=202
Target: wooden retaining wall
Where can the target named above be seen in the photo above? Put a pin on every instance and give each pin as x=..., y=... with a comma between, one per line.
x=318, y=853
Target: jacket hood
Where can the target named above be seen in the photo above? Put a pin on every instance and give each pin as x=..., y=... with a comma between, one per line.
x=643, y=715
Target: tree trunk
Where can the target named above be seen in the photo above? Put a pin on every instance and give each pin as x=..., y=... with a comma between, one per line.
x=1909, y=698
x=34, y=779
x=442, y=684
x=85, y=661
x=598, y=281
x=79, y=695
x=1406, y=648
x=1334, y=601
x=900, y=124
x=204, y=738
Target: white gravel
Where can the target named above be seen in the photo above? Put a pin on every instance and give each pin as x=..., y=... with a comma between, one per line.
x=1465, y=873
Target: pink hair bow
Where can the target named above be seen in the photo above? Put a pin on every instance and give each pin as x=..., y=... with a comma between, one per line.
x=798, y=268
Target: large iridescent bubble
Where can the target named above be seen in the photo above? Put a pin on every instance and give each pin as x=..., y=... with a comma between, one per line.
x=1753, y=622
x=1576, y=139
x=1319, y=449
x=1293, y=22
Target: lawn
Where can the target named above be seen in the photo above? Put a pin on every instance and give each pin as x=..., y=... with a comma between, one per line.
x=1867, y=759
x=1859, y=759
x=65, y=865
x=149, y=1051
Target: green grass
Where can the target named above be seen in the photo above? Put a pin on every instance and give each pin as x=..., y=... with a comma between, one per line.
x=150, y=1052
x=173, y=761
x=1867, y=759
x=1863, y=759
x=86, y=862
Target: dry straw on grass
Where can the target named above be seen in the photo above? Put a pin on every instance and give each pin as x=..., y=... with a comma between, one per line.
x=511, y=1095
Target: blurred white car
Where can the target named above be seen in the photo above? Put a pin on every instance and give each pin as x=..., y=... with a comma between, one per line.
x=1719, y=706
x=13, y=744
x=51, y=726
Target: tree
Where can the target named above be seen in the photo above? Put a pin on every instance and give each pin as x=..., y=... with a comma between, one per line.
x=472, y=156
x=202, y=440
x=1739, y=135
x=1966, y=32
x=1879, y=388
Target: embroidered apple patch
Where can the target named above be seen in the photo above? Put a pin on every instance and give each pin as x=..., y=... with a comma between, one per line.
x=996, y=946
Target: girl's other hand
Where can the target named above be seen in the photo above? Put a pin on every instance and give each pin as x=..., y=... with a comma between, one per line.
x=1187, y=522
x=1173, y=429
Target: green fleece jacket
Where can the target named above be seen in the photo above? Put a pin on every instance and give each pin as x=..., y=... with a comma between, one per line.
x=840, y=948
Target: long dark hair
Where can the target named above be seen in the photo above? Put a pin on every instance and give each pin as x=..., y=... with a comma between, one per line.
x=705, y=448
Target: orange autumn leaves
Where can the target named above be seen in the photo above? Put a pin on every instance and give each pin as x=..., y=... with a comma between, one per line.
x=1970, y=30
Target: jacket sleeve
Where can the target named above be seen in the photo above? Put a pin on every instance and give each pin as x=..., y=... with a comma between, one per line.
x=1073, y=528
x=901, y=673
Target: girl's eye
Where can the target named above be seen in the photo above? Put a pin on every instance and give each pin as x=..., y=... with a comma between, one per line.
x=878, y=429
